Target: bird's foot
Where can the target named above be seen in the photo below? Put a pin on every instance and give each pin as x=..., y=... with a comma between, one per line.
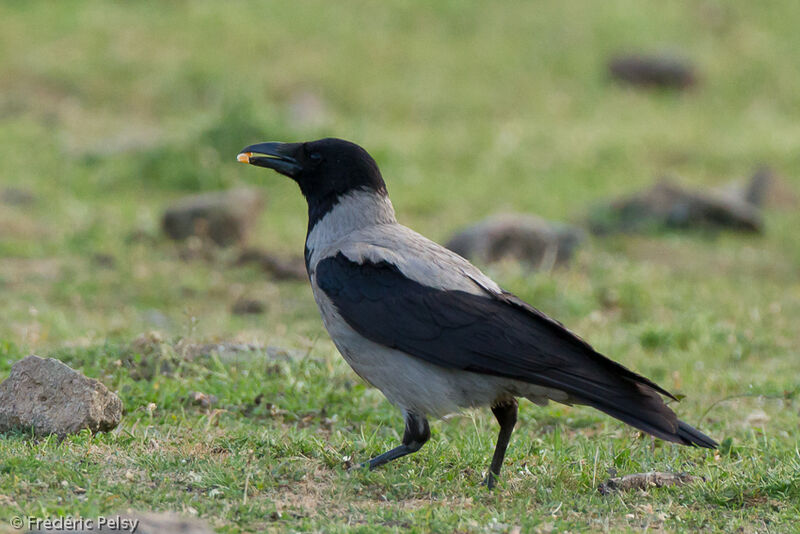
x=490, y=481
x=356, y=467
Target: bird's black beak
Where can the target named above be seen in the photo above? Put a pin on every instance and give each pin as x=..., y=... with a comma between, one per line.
x=277, y=156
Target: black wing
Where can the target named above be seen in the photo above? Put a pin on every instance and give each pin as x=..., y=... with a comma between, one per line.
x=493, y=334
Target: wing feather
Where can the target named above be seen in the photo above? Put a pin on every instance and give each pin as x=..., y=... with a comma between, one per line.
x=491, y=333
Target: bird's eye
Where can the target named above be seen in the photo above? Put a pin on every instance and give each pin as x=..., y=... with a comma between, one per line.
x=316, y=157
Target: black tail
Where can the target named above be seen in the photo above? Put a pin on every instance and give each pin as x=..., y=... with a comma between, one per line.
x=563, y=361
x=691, y=436
x=640, y=406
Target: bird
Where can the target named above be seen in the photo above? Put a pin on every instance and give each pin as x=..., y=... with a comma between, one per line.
x=431, y=331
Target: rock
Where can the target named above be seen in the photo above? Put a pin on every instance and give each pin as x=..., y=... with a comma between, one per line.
x=291, y=268
x=150, y=348
x=17, y=197
x=232, y=351
x=141, y=523
x=645, y=481
x=106, y=261
x=652, y=71
x=225, y=217
x=224, y=349
x=764, y=189
x=246, y=306
x=52, y=398
x=524, y=238
x=669, y=205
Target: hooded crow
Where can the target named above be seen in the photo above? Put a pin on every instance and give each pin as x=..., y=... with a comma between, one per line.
x=429, y=329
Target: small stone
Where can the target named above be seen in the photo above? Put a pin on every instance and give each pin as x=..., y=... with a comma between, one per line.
x=104, y=260
x=52, y=398
x=289, y=268
x=662, y=70
x=225, y=217
x=524, y=238
x=245, y=306
x=224, y=349
x=17, y=197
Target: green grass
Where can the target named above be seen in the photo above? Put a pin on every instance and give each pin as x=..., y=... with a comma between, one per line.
x=109, y=111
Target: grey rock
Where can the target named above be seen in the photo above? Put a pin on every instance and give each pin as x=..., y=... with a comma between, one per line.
x=765, y=189
x=106, y=261
x=52, y=398
x=669, y=205
x=247, y=306
x=225, y=217
x=14, y=196
x=280, y=268
x=524, y=238
x=661, y=70
x=224, y=349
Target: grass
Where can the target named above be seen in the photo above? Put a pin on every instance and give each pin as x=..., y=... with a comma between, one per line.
x=110, y=112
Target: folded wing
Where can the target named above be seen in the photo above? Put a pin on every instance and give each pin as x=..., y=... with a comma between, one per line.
x=496, y=334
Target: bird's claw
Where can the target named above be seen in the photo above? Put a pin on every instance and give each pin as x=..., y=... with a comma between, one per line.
x=355, y=467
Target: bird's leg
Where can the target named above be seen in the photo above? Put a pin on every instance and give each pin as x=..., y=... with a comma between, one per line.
x=416, y=434
x=506, y=415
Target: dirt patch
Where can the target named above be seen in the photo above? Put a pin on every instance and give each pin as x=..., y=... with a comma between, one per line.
x=316, y=493
x=20, y=270
x=16, y=224
x=320, y=493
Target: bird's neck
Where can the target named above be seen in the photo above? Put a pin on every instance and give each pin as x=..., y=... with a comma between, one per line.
x=350, y=212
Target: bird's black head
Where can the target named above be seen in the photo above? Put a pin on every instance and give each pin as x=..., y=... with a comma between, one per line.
x=324, y=169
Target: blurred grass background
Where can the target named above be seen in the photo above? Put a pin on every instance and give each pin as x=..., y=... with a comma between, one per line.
x=111, y=110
